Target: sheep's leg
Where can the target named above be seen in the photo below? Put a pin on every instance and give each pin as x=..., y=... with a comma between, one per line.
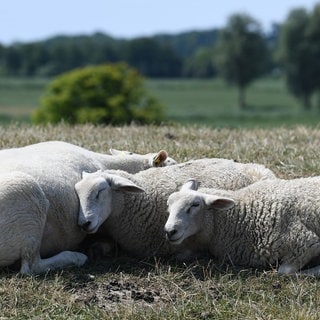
x=290, y=269
x=25, y=267
x=62, y=260
x=302, y=255
x=315, y=271
x=31, y=262
x=287, y=268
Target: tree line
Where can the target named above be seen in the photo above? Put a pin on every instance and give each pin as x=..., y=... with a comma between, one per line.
x=158, y=56
x=239, y=52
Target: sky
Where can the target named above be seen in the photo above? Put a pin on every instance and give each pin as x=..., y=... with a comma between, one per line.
x=33, y=20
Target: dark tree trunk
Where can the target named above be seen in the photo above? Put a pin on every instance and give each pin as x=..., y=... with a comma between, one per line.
x=306, y=102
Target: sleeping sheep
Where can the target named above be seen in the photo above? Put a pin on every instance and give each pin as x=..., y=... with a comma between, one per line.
x=269, y=223
x=57, y=166
x=23, y=213
x=159, y=159
x=131, y=208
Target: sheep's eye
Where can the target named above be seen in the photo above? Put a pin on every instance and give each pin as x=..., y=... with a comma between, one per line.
x=195, y=204
x=98, y=194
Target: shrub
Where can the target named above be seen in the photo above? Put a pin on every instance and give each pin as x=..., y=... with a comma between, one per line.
x=106, y=94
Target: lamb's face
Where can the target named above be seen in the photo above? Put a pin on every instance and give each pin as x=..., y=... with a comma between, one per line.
x=95, y=196
x=185, y=210
x=95, y=192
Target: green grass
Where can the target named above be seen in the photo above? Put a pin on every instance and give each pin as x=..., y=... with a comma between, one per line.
x=19, y=97
x=213, y=103
x=125, y=288
x=187, y=101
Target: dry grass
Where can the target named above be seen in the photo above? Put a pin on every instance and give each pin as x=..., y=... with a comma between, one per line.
x=124, y=288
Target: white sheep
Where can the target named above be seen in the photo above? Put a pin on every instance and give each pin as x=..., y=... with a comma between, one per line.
x=159, y=159
x=131, y=208
x=57, y=166
x=269, y=223
x=23, y=214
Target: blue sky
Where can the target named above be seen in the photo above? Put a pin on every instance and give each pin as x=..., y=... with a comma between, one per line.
x=38, y=19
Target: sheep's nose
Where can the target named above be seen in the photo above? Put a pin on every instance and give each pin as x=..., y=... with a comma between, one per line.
x=86, y=226
x=170, y=233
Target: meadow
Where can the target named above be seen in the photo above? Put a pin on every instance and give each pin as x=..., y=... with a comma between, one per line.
x=187, y=101
x=121, y=287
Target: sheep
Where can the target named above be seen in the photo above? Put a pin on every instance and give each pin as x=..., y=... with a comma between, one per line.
x=159, y=159
x=23, y=213
x=131, y=208
x=267, y=224
x=57, y=166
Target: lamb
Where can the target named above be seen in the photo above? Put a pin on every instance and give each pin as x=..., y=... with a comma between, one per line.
x=159, y=159
x=131, y=208
x=57, y=166
x=23, y=213
x=269, y=223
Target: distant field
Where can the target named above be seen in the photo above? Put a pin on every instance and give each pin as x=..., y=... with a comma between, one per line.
x=18, y=97
x=213, y=103
x=209, y=102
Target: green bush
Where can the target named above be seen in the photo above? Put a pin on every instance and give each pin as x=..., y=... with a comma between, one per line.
x=106, y=94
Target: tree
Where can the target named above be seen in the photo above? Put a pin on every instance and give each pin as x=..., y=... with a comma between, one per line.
x=297, y=55
x=2, y=56
x=12, y=60
x=241, y=53
x=106, y=94
x=313, y=37
x=152, y=58
x=33, y=57
x=200, y=64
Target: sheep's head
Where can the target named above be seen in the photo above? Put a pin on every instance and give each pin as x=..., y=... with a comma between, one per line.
x=95, y=192
x=159, y=159
x=186, y=210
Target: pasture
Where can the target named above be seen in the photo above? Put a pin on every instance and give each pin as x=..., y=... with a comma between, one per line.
x=120, y=287
x=187, y=101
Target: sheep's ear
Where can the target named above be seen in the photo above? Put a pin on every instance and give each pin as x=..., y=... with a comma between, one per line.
x=122, y=184
x=159, y=158
x=221, y=203
x=191, y=184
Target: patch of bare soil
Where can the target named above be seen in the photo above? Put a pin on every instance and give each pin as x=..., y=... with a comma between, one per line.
x=120, y=292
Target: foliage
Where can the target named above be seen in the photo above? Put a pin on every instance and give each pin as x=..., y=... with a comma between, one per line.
x=241, y=53
x=200, y=64
x=186, y=44
x=152, y=58
x=313, y=34
x=299, y=53
x=156, y=56
x=297, y=56
x=103, y=94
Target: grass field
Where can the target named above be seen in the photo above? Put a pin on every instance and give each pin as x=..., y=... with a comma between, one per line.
x=205, y=102
x=18, y=97
x=125, y=288
x=213, y=103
